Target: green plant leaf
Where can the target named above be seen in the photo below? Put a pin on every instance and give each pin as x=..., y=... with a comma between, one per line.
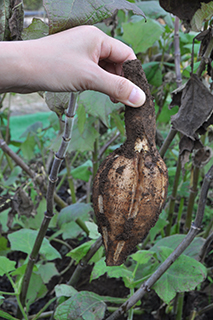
x=85, y=141
x=173, y=241
x=81, y=117
x=37, y=29
x=6, y=265
x=100, y=268
x=183, y=275
x=5, y=315
x=79, y=252
x=64, y=290
x=73, y=212
x=71, y=13
x=142, y=256
x=153, y=73
x=47, y=271
x=93, y=230
x=98, y=105
x=36, y=289
x=27, y=147
x=3, y=246
x=203, y=14
x=24, y=239
x=142, y=35
x=82, y=172
x=70, y=230
x=82, y=306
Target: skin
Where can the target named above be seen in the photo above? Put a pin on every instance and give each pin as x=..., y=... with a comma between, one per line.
x=78, y=59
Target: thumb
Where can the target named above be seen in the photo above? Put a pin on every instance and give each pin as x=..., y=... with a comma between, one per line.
x=119, y=88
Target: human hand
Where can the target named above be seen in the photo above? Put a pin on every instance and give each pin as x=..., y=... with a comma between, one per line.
x=78, y=59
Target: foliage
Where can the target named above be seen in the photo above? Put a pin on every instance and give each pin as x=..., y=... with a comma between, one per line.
x=72, y=234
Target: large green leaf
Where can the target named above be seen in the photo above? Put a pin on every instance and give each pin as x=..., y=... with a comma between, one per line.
x=73, y=212
x=182, y=276
x=98, y=105
x=6, y=265
x=66, y=14
x=100, y=268
x=36, y=289
x=142, y=35
x=82, y=306
x=24, y=239
x=173, y=241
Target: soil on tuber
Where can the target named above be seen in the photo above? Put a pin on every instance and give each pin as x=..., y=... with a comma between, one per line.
x=130, y=187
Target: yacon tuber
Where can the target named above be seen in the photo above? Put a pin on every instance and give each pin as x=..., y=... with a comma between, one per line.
x=130, y=186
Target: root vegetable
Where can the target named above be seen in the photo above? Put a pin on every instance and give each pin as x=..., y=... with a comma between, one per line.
x=130, y=187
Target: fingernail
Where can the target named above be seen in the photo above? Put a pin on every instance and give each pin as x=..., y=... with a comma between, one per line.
x=137, y=97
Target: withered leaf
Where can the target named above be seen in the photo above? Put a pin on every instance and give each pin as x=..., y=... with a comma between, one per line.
x=196, y=107
x=202, y=157
x=186, y=147
x=184, y=9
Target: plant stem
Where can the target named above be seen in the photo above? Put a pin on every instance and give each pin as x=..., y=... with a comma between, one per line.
x=70, y=181
x=95, y=152
x=180, y=300
x=84, y=262
x=205, y=247
x=145, y=287
x=173, y=197
x=50, y=197
x=193, y=193
x=167, y=142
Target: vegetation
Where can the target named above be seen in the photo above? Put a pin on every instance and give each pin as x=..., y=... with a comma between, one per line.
x=51, y=254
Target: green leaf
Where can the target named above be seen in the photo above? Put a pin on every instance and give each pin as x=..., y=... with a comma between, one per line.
x=82, y=306
x=6, y=315
x=100, y=268
x=142, y=256
x=27, y=147
x=73, y=212
x=173, y=241
x=81, y=117
x=37, y=29
x=183, y=275
x=70, y=230
x=160, y=224
x=203, y=14
x=93, y=230
x=142, y=35
x=79, y=252
x=24, y=239
x=36, y=289
x=153, y=73
x=4, y=249
x=85, y=141
x=82, y=171
x=71, y=13
x=6, y=265
x=98, y=105
x=47, y=271
x=33, y=128
x=64, y=290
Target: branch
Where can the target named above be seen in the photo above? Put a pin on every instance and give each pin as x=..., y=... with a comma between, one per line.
x=50, y=196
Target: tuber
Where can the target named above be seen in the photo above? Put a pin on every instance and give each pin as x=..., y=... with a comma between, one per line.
x=130, y=187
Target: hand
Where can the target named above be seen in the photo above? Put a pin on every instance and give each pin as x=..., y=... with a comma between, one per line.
x=78, y=59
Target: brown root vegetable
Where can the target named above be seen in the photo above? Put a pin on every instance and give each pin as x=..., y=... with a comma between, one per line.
x=130, y=187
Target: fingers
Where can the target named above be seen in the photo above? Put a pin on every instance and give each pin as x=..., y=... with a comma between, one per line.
x=118, y=88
